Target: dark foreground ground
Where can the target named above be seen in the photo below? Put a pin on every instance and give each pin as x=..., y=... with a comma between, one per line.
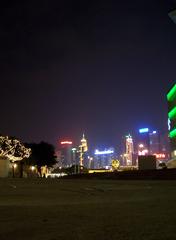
x=87, y=209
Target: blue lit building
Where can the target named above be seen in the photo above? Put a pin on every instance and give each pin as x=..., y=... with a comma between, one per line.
x=143, y=141
x=103, y=158
x=148, y=142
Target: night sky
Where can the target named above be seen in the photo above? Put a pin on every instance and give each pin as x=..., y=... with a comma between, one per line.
x=98, y=67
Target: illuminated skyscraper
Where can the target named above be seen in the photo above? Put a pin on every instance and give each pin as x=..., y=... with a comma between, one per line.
x=129, y=150
x=65, y=154
x=152, y=143
x=83, y=148
x=144, y=139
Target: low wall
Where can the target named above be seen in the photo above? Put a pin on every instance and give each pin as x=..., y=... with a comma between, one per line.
x=165, y=174
x=4, y=167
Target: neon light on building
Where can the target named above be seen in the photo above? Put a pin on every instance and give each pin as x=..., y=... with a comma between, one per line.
x=97, y=152
x=66, y=142
x=169, y=124
x=172, y=133
x=160, y=155
x=172, y=93
x=143, y=130
x=172, y=113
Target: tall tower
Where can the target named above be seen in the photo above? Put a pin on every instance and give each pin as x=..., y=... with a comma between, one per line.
x=83, y=148
x=129, y=150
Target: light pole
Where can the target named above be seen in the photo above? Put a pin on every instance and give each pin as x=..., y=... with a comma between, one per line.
x=74, y=158
x=14, y=165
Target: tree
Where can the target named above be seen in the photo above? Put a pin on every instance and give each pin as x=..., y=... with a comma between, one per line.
x=42, y=154
x=13, y=149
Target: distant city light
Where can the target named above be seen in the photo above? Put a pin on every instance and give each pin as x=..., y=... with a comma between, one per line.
x=143, y=152
x=73, y=149
x=97, y=152
x=143, y=130
x=141, y=145
x=66, y=142
x=154, y=132
x=129, y=138
x=160, y=155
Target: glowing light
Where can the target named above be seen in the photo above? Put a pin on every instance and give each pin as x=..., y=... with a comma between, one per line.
x=154, y=132
x=172, y=93
x=32, y=168
x=172, y=113
x=73, y=149
x=169, y=124
x=141, y=145
x=66, y=142
x=143, y=152
x=15, y=165
x=97, y=152
x=129, y=139
x=160, y=155
x=143, y=130
x=172, y=133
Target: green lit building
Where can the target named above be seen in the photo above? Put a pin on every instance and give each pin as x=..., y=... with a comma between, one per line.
x=171, y=99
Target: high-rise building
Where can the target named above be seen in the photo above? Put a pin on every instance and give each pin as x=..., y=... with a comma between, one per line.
x=148, y=142
x=165, y=146
x=154, y=142
x=103, y=158
x=66, y=154
x=143, y=141
x=129, y=151
x=83, y=148
x=171, y=99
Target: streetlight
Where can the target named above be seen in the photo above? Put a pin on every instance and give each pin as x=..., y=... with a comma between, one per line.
x=74, y=157
x=14, y=166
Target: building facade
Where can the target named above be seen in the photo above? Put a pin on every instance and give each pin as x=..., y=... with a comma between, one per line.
x=103, y=159
x=171, y=100
x=65, y=154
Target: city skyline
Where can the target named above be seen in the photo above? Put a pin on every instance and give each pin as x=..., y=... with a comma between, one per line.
x=102, y=68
